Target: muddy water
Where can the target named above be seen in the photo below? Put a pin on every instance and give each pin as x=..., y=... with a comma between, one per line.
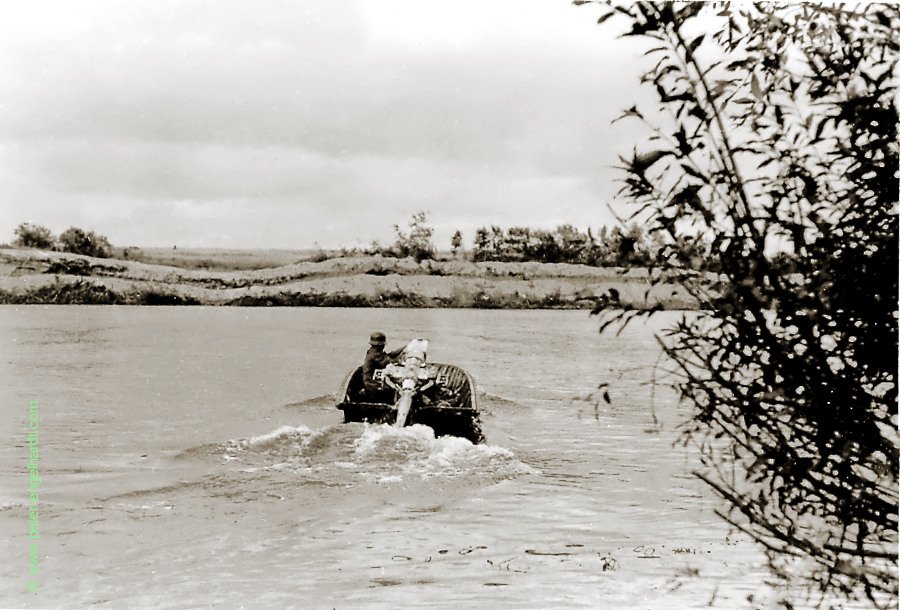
x=193, y=456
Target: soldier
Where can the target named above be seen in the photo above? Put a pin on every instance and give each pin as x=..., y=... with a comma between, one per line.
x=376, y=359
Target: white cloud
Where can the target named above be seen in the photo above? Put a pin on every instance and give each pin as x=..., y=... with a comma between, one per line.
x=283, y=123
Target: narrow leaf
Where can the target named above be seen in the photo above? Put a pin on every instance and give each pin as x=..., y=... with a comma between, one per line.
x=696, y=43
x=690, y=171
x=755, y=89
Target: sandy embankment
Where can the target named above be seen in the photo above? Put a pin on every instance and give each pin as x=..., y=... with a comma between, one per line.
x=35, y=276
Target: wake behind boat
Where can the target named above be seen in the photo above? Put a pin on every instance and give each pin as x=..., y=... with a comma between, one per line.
x=441, y=396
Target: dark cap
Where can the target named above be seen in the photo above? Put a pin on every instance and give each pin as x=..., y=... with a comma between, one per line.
x=377, y=338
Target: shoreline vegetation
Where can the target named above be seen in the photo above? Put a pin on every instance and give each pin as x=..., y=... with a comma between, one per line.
x=35, y=276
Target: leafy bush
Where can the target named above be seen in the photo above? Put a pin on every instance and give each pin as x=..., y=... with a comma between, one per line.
x=79, y=292
x=33, y=236
x=780, y=134
x=88, y=243
x=157, y=297
x=70, y=267
x=416, y=240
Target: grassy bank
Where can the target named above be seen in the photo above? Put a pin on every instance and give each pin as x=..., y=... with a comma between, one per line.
x=81, y=292
x=217, y=259
x=41, y=277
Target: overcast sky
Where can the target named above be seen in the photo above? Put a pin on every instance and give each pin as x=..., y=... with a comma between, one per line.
x=283, y=123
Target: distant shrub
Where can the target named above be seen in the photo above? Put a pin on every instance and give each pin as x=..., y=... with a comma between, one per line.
x=400, y=298
x=70, y=267
x=88, y=243
x=378, y=271
x=79, y=292
x=156, y=297
x=416, y=241
x=33, y=236
x=132, y=253
x=320, y=256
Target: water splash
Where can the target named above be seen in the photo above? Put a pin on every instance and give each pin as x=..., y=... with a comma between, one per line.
x=348, y=453
x=286, y=439
x=415, y=451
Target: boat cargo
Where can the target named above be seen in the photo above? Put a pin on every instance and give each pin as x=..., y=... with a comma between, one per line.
x=447, y=403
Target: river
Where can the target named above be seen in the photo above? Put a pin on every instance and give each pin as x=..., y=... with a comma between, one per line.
x=193, y=457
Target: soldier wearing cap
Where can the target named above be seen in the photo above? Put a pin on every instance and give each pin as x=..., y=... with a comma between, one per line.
x=376, y=359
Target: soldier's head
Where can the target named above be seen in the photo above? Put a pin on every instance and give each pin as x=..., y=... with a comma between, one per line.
x=377, y=339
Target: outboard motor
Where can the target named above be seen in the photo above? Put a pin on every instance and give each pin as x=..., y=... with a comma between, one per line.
x=409, y=378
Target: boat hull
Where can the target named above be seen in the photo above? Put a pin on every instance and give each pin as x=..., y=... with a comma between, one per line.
x=450, y=408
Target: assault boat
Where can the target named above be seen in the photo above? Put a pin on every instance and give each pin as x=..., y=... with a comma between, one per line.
x=441, y=396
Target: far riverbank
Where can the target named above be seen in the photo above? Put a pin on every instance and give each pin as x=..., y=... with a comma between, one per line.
x=29, y=276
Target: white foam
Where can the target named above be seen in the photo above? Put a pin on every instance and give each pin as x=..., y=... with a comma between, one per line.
x=427, y=456
x=451, y=455
x=283, y=431
x=375, y=435
x=301, y=433
x=159, y=504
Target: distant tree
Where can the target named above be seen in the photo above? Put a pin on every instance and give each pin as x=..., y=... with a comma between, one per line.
x=415, y=241
x=547, y=248
x=777, y=159
x=636, y=247
x=481, y=245
x=33, y=236
x=601, y=251
x=516, y=244
x=625, y=255
x=607, y=249
x=78, y=241
x=631, y=246
x=573, y=244
x=497, y=239
x=456, y=243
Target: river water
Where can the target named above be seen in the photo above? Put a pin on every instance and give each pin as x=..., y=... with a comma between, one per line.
x=193, y=457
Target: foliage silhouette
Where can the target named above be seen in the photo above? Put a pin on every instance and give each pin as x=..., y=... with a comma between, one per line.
x=773, y=167
x=416, y=240
x=88, y=243
x=33, y=236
